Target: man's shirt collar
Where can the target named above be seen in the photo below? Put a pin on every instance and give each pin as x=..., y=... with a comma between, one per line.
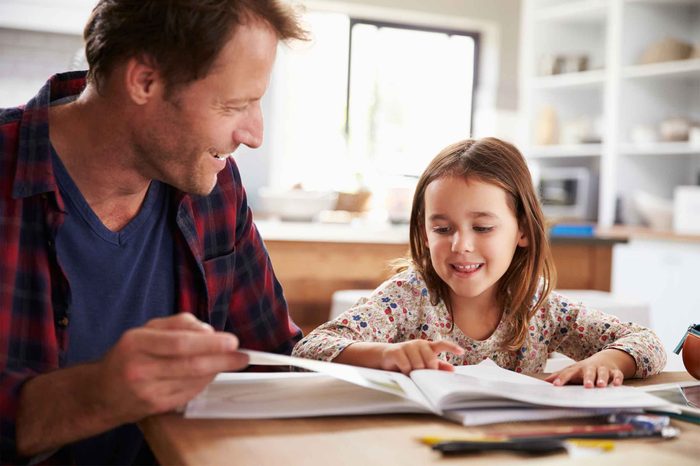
x=34, y=172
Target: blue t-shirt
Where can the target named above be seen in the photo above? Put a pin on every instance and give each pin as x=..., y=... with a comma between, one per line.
x=118, y=280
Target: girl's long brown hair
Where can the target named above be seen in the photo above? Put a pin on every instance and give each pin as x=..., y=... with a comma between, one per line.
x=492, y=161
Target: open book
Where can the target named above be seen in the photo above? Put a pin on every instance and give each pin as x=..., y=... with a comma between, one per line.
x=472, y=395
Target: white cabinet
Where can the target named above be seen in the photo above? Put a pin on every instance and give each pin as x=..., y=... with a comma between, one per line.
x=588, y=102
x=663, y=274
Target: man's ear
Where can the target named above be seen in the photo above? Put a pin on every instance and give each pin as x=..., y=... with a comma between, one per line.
x=142, y=79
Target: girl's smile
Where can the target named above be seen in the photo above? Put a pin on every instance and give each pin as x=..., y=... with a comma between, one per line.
x=467, y=269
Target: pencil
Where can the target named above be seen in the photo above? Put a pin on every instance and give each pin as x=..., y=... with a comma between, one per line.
x=557, y=432
x=603, y=431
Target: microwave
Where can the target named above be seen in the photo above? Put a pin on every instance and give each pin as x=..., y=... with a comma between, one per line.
x=564, y=192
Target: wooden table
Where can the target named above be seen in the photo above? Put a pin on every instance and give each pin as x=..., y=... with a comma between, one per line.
x=380, y=439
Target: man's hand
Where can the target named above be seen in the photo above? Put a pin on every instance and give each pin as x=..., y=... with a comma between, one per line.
x=605, y=367
x=152, y=369
x=163, y=365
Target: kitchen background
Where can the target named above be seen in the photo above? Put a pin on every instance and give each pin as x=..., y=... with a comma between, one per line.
x=602, y=96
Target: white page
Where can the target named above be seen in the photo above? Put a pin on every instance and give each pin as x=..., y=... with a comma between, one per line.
x=284, y=395
x=394, y=383
x=489, y=370
x=451, y=391
x=446, y=390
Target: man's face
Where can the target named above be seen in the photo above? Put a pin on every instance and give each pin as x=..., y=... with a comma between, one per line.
x=185, y=138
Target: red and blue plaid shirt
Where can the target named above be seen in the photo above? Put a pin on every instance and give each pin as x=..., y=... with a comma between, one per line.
x=224, y=275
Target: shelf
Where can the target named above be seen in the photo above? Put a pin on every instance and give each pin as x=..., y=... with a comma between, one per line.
x=660, y=148
x=570, y=80
x=678, y=68
x=580, y=11
x=619, y=94
x=569, y=150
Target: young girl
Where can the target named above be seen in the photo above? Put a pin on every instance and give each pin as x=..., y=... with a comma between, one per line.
x=479, y=285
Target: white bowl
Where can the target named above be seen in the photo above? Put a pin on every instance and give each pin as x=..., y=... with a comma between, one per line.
x=296, y=204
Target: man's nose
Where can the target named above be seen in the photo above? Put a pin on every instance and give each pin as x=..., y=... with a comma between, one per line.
x=250, y=132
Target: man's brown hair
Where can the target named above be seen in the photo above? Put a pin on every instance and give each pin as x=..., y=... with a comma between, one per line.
x=491, y=160
x=182, y=37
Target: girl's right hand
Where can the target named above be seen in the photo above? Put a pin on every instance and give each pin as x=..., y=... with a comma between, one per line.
x=417, y=354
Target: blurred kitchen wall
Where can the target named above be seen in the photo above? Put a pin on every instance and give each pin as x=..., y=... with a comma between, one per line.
x=41, y=37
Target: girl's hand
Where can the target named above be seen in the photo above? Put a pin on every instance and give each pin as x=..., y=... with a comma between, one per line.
x=417, y=354
x=603, y=368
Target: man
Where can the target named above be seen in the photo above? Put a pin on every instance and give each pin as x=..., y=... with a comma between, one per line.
x=131, y=270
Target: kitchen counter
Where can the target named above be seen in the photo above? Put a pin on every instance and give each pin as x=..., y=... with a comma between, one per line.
x=356, y=232
x=313, y=260
x=634, y=232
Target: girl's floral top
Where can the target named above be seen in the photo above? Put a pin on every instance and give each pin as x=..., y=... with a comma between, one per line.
x=400, y=310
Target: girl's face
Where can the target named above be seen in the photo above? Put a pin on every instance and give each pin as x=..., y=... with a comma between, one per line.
x=472, y=234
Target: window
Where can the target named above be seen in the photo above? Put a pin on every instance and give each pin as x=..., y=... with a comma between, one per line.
x=410, y=94
x=368, y=102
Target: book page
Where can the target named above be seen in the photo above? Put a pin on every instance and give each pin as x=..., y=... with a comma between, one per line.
x=454, y=390
x=489, y=370
x=285, y=395
x=390, y=382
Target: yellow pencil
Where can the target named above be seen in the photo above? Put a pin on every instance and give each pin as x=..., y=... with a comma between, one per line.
x=604, y=445
x=430, y=441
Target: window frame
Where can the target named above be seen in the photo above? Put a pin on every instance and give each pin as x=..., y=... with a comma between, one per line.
x=475, y=36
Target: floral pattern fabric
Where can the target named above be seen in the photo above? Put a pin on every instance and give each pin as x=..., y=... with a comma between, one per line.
x=400, y=310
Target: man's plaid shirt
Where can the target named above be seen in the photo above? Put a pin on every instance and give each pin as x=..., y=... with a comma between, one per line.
x=224, y=275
